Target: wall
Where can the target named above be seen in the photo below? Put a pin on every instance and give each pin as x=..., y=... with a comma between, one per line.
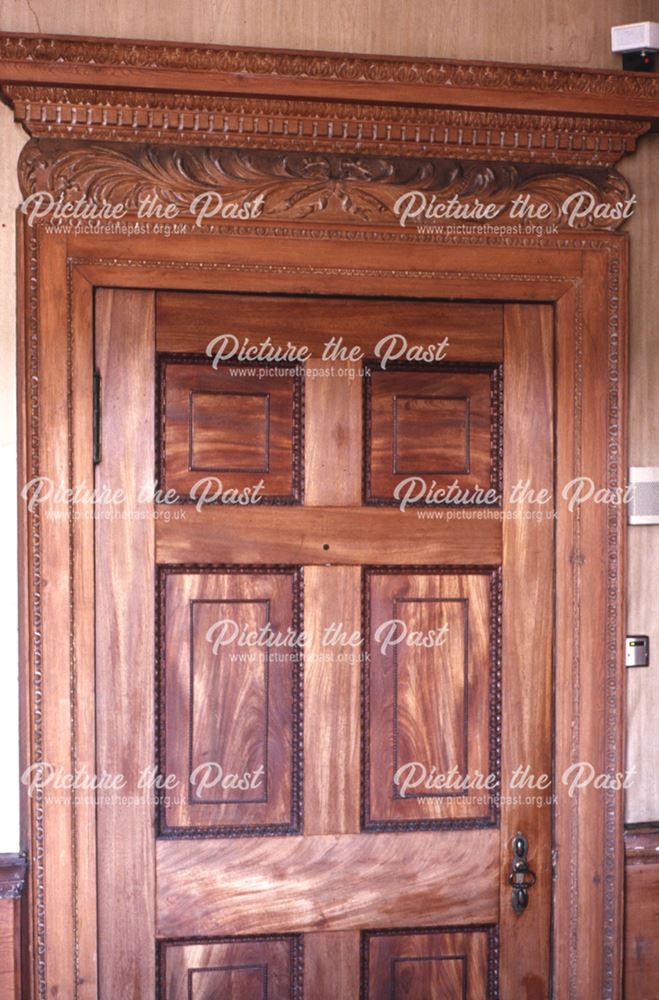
x=543, y=31
x=643, y=539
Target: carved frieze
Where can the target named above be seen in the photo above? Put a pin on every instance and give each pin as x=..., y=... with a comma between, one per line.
x=298, y=185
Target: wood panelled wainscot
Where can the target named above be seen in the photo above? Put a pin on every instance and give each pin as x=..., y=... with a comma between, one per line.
x=327, y=862
x=642, y=912
x=12, y=881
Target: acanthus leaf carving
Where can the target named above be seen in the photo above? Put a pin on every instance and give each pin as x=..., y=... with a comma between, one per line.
x=298, y=185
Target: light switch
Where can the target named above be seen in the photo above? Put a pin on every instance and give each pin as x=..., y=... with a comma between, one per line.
x=637, y=651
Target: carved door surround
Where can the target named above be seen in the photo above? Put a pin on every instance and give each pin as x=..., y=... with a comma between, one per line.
x=332, y=141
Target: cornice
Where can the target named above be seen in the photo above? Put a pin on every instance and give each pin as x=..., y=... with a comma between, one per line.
x=327, y=187
x=125, y=91
x=56, y=58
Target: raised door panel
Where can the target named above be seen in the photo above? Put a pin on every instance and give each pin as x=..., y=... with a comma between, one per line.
x=430, y=428
x=431, y=697
x=229, y=428
x=256, y=968
x=431, y=964
x=230, y=697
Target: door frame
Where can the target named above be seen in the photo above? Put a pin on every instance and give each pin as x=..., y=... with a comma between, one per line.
x=335, y=140
x=584, y=279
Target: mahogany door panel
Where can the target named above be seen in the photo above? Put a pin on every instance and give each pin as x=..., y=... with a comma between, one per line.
x=190, y=321
x=351, y=536
x=216, y=425
x=454, y=964
x=325, y=688
x=443, y=425
x=250, y=969
x=230, y=713
x=332, y=882
x=430, y=709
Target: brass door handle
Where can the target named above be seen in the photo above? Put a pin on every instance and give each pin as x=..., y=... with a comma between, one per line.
x=521, y=877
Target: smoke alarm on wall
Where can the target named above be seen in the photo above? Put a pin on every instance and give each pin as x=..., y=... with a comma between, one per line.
x=637, y=43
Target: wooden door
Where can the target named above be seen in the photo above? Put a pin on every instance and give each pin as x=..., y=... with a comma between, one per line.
x=314, y=840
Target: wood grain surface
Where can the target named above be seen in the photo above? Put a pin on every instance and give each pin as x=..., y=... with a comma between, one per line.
x=333, y=419
x=228, y=702
x=10, y=978
x=429, y=709
x=248, y=969
x=124, y=640
x=527, y=642
x=641, y=956
x=191, y=322
x=439, y=425
x=330, y=882
x=517, y=32
x=434, y=704
x=332, y=709
x=592, y=818
x=326, y=535
x=418, y=965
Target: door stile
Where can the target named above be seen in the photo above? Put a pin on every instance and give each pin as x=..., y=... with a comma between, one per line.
x=125, y=644
x=527, y=643
x=83, y=753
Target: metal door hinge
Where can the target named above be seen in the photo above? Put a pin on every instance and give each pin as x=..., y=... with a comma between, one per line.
x=96, y=417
